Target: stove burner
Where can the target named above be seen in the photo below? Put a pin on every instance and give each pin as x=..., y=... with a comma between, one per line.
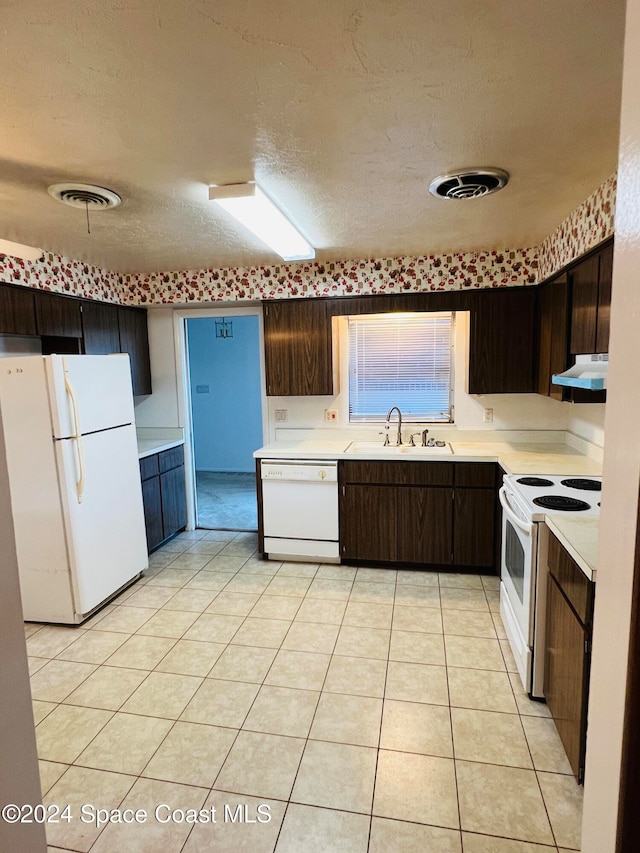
x=561, y=502
x=581, y=483
x=534, y=481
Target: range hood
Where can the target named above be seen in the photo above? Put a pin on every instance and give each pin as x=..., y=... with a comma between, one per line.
x=589, y=372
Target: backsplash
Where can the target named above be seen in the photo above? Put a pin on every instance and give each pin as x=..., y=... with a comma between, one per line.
x=589, y=224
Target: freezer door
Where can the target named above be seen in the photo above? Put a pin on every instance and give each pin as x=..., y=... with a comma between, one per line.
x=105, y=529
x=94, y=389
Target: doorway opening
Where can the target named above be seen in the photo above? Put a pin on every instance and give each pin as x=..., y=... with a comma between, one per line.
x=226, y=418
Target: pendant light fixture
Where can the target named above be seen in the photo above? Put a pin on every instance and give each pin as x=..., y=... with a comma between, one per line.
x=253, y=208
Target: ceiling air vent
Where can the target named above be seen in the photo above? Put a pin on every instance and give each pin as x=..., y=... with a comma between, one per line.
x=86, y=196
x=469, y=183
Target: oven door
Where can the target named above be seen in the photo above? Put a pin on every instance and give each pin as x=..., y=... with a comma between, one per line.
x=517, y=574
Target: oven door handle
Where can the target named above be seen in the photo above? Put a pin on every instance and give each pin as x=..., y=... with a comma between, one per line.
x=506, y=506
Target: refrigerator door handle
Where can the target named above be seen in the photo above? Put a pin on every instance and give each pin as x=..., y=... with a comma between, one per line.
x=77, y=437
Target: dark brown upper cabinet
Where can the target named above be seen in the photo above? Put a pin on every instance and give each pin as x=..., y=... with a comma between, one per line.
x=590, y=282
x=100, y=328
x=605, y=277
x=134, y=339
x=553, y=331
x=57, y=316
x=502, y=342
x=298, y=348
x=17, y=311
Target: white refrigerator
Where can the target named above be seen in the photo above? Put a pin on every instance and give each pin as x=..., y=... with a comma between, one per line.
x=74, y=480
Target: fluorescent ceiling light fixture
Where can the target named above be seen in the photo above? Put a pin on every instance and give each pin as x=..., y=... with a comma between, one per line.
x=18, y=250
x=254, y=209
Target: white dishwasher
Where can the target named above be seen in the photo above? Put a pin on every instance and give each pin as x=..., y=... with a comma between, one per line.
x=300, y=510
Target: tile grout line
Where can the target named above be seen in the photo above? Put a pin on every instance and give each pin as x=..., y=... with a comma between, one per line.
x=306, y=740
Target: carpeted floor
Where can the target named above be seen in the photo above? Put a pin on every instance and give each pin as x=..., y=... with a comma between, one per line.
x=226, y=501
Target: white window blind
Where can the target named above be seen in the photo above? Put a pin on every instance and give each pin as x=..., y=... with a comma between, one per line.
x=400, y=360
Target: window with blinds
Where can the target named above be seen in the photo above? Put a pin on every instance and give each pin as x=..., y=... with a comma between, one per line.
x=402, y=360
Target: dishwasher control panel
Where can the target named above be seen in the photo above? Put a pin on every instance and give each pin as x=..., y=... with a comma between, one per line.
x=299, y=470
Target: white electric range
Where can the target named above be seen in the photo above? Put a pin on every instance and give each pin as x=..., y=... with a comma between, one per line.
x=526, y=501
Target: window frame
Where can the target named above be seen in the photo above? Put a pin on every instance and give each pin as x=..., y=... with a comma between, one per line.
x=380, y=416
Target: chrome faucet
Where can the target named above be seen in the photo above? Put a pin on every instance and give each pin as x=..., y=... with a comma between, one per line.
x=399, y=433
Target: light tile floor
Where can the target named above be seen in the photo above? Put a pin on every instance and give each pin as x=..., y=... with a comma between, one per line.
x=360, y=709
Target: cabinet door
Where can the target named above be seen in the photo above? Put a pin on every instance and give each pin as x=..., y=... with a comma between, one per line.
x=174, y=506
x=425, y=517
x=152, y=512
x=134, y=339
x=298, y=353
x=368, y=522
x=553, y=334
x=17, y=311
x=604, y=299
x=100, y=328
x=57, y=316
x=502, y=341
x=474, y=527
x=584, y=305
x=565, y=676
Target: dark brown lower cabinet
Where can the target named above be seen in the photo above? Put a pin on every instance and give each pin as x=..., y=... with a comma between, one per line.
x=420, y=513
x=425, y=525
x=174, y=508
x=474, y=524
x=568, y=652
x=368, y=522
x=152, y=512
x=163, y=495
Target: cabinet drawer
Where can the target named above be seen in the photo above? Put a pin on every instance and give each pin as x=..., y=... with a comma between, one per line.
x=171, y=458
x=149, y=467
x=470, y=474
x=571, y=579
x=398, y=473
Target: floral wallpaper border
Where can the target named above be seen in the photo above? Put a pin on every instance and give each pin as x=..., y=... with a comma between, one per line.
x=590, y=224
x=63, y=275
x=454, y=271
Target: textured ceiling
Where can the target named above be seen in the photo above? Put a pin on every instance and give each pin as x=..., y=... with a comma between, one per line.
x=343, y=110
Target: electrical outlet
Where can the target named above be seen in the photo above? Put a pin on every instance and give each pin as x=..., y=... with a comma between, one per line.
x=487, y=416
x=281, y=415
x=331, y=415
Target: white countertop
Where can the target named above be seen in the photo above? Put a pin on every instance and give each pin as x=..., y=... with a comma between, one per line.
x=579, y=536
x=514, y=457
x=156, y=439
x=149, y=446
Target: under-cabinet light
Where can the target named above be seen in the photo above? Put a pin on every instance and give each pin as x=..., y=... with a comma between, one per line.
x=254, y=209
x=19, y=250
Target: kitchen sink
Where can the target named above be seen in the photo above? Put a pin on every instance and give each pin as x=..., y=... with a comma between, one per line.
x=378, y=448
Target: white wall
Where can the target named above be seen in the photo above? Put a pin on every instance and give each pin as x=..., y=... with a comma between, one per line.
x=160, y=409
x=621, y=478
x=510, y=411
